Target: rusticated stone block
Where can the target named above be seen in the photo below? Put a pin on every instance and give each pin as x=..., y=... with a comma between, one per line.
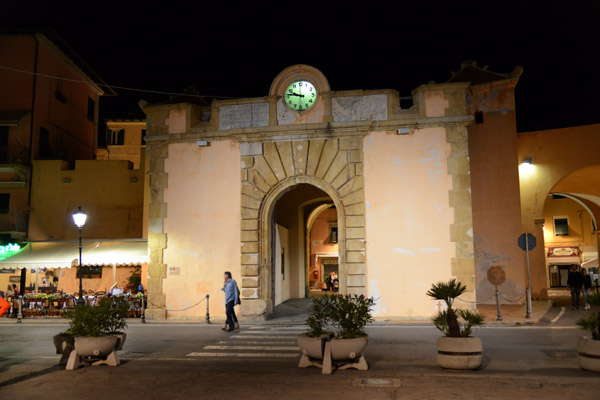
x=461, y=181
x=330, y=150
x=300, y=151
x=354, y=197
x=458, y=165
x=315, y=148
x=463, y=266
x=460, y=198
x=250, y=202
x=249, y=213
x=468, y=281
x=462, y=232
x=263, y=168
x=355, y=221
x=272, y=158
x=247, y=162
x=340, y=161
x=356, y=269
x=355, y=233
x=456, y=134
x=249, y=270
x=250, y=247
x=157, y=270
x=157, y=240
x=351, y=143
x=355, y=280
x=355, y=256
x=287, y=160
x=249, y=236
x=249, y=224
x=355, y=209
x=257, y=180
x=355, y=156
x=249, y=282
x=355, y=244
x=251, y=258
x=157, y=210
x=249, y=293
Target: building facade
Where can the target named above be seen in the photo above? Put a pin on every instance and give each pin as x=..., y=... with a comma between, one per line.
x=225, y=179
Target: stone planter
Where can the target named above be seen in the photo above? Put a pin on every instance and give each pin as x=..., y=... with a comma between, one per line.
x=459, y=352
x=63, y=345
x=88, y=346
x=312, y=347
x=348, y=349
x=121, y=337
x=102, y=347
x=588, y=354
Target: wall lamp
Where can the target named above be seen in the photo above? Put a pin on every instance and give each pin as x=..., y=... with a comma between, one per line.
x=526, y=165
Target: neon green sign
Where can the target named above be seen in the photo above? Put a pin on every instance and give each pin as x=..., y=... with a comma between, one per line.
x=9, y=250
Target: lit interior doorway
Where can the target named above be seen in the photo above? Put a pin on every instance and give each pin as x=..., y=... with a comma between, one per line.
x=303, y=243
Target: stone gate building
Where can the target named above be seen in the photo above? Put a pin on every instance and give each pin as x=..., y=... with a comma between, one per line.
x=285, y=189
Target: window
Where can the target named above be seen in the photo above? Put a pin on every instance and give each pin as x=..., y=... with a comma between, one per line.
x=44, y=148
x=143, y=136
x=91, y=111
x=4, y=203
x=561, y=226
x=4, y=143
x=115, y=137
x=479, y=117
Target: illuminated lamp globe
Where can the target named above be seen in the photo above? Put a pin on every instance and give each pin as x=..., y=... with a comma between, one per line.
x=79, y=217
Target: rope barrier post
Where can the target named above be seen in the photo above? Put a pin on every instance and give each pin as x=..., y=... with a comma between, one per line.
x=20, y=312
x=499, y=318
x=207, y=313
x=143, y=309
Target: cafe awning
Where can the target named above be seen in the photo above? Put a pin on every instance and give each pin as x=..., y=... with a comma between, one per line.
x=564, y=260
x=64, y=254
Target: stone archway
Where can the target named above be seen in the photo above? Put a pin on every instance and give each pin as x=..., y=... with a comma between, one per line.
x=270, y=169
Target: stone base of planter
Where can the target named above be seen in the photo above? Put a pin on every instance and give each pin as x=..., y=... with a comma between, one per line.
x=459, y=352
x=64, y=345
x=588, y=354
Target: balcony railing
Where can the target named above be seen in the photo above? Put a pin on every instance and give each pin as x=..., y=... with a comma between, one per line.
x=17, y=154
x=14, y=221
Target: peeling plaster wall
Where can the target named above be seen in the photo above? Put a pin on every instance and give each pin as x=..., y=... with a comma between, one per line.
x=202, y=225
x=407, y=219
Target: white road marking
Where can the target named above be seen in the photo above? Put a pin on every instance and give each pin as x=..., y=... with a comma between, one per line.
x=560, y=314
x=244, y=337
x=267, y=333
x=244, y=355
x=256, y=342
x=290, y=348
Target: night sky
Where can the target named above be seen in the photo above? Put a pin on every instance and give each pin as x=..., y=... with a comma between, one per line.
x=236, y=51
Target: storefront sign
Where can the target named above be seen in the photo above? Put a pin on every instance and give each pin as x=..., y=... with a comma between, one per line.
x=174, y=270
x=563, y=251
x=9, y=250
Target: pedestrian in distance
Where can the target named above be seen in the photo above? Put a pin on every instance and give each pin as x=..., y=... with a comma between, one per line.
x=575, y=284
x=587, y=287
x=232, y=297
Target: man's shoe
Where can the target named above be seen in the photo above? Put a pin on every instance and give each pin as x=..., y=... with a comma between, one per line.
x=237, y=327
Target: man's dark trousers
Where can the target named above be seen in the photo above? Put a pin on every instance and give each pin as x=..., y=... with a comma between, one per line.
x=230, y=312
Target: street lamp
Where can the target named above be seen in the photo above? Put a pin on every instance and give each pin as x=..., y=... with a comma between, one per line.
x=79, y=218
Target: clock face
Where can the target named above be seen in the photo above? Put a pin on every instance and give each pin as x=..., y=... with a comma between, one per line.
x=300, y=96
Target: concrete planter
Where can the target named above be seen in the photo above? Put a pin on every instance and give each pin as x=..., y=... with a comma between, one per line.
x=588, y=354
x=348, y=349
x=63, y=345
x=102, y=347
x=312, y=347
x=88, y=346
x=459, y=352
x=121, y=337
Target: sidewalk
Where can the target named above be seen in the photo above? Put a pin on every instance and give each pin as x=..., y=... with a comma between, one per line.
x=511, y=315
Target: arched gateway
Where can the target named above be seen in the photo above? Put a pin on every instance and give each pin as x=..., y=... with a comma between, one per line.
x=285, y=189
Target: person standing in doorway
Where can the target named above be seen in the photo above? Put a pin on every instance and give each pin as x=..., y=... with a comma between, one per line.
x=587, y=287
x=16, y=290
x=574, y=283
x=232, y=297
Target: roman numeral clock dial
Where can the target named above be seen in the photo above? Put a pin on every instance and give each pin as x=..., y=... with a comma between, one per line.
x=300, y=96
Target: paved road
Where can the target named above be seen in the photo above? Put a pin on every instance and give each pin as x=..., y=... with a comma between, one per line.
x=183, y=361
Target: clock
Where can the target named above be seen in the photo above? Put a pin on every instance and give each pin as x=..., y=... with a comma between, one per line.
x=300, y=96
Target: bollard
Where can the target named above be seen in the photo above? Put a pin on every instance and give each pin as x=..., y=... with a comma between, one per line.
x=143, y=309
x=207, y=314
x=20, y=312
x=499, y=318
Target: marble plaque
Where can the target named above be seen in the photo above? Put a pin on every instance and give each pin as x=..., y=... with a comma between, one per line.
x=243, y=116
x=359, y=108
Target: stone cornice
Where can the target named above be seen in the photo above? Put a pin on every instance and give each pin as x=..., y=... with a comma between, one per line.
x=313, y=131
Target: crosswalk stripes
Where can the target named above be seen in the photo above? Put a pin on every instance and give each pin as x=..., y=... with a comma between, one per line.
x=264, y=343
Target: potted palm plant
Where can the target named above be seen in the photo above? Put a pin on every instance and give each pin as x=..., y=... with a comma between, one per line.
x=588, y=347
x=312, y=342
x=457, y=349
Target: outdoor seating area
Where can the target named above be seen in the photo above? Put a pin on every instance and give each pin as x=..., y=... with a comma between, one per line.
x=46, y=305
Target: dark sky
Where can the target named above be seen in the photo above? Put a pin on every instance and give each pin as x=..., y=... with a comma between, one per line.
x=233, y=50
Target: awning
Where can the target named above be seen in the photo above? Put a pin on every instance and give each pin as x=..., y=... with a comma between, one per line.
x=564, y=260
x=64, y=254
x=593, y=263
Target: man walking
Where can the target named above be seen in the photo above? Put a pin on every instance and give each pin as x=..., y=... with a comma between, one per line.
x=232, y=297
x=575, y=283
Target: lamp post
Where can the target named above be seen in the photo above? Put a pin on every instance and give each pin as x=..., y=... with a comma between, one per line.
x=79, y=218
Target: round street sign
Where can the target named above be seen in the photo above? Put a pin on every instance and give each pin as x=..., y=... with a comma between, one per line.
x=496, y=275
x=526, y=242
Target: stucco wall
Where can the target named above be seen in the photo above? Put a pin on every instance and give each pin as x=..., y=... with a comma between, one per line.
x=407, y=219
x=202, y=225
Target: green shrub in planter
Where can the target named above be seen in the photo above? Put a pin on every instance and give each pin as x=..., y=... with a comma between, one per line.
x=350, y=314
x=592, y=323
x=320, y=315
